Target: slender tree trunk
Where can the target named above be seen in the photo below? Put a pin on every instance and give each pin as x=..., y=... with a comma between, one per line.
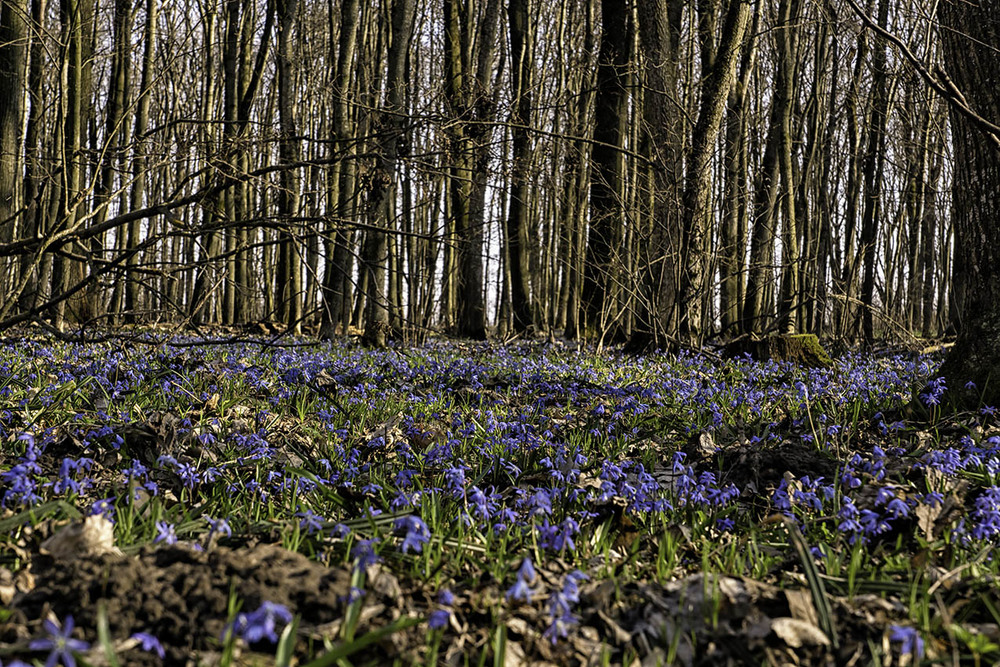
x=791, y=270
x=74, y=16
x=522, y=66
x=873, y=173
x=337, y=272
x=697, y=190
x=139, y=161
x=856, y=117
x=31, y=273
x=732, y=232
x=928, y=245
x=115, y=132
x=290, y=279
x=758, y=307
x=472, y=312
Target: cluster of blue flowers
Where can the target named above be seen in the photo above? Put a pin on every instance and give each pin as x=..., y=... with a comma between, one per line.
x=530, y=448
x=20, y=479
x=261, y=624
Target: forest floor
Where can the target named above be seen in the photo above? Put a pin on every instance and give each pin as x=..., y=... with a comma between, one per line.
x=292, y=502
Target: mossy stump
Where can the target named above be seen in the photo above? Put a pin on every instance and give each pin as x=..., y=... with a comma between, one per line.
x=803, y=349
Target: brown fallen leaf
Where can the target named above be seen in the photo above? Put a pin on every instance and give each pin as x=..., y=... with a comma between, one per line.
x=93, y=536
x=800, y=604
x=798, y=633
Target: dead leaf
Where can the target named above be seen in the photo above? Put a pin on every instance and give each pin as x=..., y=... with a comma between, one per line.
x=621, y=635
x=94, y=536
x=7, y=588
x=800, y=603
x=798, y=633
x=706, y=445
x=514, y=655
x=519, y=626
x=385, y=583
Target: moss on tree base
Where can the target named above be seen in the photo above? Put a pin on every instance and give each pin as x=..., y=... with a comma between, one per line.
x=803, y=349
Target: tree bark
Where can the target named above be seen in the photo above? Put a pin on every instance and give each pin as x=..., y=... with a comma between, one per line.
x=697, y=190
x=522, y=65
x=970, y=35
x=376, y=250
x=13, y=40
x=607, y=172
x=873, y=174
x=290, y=277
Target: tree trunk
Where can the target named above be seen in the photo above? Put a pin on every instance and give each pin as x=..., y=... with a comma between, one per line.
x=382, y=190
x=695, y=229
x=338, y=269
x=758, y=308
x=139, y=161
x=733, y=229
x=873, y=173
x=35, y=220
x=13, y=39
x=790, y=295
x=607, y=172
x=969, y=37
x=518, y=242
x=75, y=16
x=290, y=278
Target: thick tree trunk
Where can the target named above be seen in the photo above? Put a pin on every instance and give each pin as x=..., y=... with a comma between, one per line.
x=659, y=305
x=607, y=211
x=13, y=38
x=376, y=250
x=970, y=35
x=340, y=188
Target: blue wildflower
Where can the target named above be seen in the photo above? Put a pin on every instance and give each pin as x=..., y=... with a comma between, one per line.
x=446, y=597
x=165, y=533
x=59, y=643
x=910, y=639
x=218, y=527
x=439, y=619
x=311, y=521
x=149, y=643
x=262, y=623
x=521, y=590
x=417, y=533
x=364, y=553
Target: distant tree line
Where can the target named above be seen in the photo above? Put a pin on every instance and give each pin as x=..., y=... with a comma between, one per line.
x=640, y=171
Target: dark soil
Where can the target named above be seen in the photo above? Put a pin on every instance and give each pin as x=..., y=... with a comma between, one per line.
x=182, y=596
